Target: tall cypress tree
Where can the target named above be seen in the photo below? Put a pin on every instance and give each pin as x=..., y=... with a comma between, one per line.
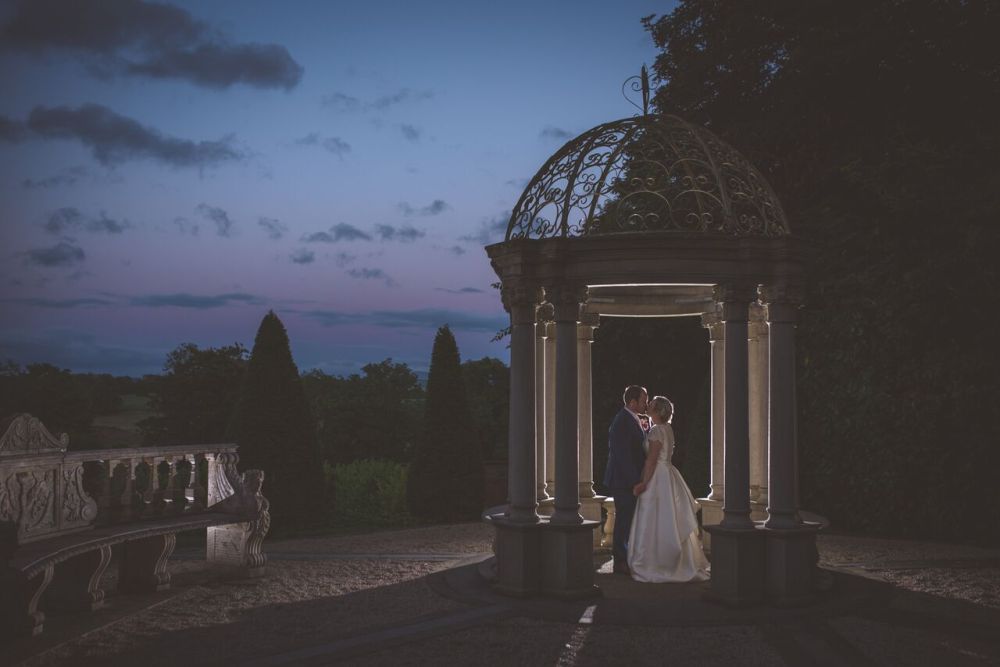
x=446, y=475
x=274, y=429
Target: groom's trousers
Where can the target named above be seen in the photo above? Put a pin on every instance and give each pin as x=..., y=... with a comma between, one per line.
x=624, y=511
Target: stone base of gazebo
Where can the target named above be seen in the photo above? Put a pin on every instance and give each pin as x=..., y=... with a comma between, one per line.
x=567, y=560
x=544, y=558
x=712, y=513
x=738, y=557
x=791, y=565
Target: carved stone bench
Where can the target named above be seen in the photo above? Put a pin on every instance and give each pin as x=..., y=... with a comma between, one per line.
x=56, y=537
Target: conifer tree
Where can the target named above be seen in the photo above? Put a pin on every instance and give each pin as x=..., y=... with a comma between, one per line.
x=445, y=481
x=274, y=429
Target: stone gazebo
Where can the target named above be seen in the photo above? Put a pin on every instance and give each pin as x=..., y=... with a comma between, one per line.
x=652, y=216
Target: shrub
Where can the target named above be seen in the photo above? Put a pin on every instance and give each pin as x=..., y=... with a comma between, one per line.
x=369, y=492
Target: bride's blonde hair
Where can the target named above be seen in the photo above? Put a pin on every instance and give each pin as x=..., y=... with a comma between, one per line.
x=662, y=408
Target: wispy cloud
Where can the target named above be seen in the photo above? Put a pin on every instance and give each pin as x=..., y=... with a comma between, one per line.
x=223, y=223
x=275, y=228
x=457, y=250
x=463, y=290
x=334, y=145
x=41, y=302
x=114, y=139
x=434, y=208
x=67, y=176
x=404, y=233
x=12, y=131
x=550, y=132
x=69, y=219
x=365, y=273
x=410, y=133
x=342, y=102
x=60, y=255
x=303, y=256
x=199, y=302
x=153, y=40
x=426, y=318
x=491, y=230
x=342, y=231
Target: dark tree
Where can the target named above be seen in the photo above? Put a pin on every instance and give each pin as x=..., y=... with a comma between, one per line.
x=274, y=429
x=196, y=395
x=60, y=399
x=876, y=121
x=372, y=416
x=487, y=383
x=445, y=481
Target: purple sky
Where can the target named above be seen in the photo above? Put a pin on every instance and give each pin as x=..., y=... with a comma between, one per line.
x=169, y=172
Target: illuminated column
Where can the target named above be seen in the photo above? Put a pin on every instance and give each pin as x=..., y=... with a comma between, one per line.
x=521, y=301
x=543, y=315
x=585, y=423
x=566, y=299
x=758, y=371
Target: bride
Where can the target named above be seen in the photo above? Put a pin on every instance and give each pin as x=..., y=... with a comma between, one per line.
x=664, y=544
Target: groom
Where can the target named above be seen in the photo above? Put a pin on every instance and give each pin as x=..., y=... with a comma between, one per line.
x=625, y=461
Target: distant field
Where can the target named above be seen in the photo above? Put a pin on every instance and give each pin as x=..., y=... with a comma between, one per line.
x=134, y=409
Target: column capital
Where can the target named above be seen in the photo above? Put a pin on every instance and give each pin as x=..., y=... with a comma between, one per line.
x=734, y=293
x=520, y=300
x=587, y=323
x=783, y=301
x=783, y=292
x=758, y=321
x=544, y=312
x=566, y=298
x=712, y=320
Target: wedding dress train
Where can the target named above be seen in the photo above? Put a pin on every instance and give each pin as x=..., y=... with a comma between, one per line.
x=664, y=545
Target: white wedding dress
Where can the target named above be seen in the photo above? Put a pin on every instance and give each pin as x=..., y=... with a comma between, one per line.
x=663, y=545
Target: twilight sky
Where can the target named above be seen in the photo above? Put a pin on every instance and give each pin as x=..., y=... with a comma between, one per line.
x=169, y=172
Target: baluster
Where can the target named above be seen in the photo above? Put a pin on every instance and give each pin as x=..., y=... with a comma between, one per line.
x=104, y=500
x=169, y=503
x=199, y=482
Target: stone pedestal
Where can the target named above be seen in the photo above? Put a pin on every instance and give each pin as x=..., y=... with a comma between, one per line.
x=590, y=510
x=568, y=560
x=737, y=565
x=791, y=565
x=711, y=515
x=518, y=554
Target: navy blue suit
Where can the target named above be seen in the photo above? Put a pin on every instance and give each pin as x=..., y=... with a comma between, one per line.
x=625, y=461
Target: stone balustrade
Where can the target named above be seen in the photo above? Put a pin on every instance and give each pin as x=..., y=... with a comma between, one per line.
x=61, y=512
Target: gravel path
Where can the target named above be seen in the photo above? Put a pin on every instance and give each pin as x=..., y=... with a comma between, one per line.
x=323, y=595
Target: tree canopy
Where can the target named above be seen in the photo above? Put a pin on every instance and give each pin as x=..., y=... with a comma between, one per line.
x=274, y=429
x=445, y=481
x=876, y=122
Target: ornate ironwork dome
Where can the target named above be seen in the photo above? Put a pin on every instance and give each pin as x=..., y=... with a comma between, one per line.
x=643, y=174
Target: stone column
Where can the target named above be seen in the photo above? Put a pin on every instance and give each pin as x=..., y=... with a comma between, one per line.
x=717, y=339
x=590, y=503
x=566, y=300
x=585, y=423
x=518, y=531
x=520, y=302
x=737, y=546
x=550, y=406
x=791, y=543
x=758, y=371
x=735, y=302
x=567, y=545
x=543, y=315
x=782, y=306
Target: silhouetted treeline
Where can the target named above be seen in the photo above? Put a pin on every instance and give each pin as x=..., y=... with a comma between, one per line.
x=878, y=125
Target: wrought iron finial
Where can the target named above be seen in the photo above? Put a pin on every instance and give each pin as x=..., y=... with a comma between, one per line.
x=638, y=84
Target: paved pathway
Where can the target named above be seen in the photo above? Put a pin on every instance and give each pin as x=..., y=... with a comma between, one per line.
x=416, y=597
